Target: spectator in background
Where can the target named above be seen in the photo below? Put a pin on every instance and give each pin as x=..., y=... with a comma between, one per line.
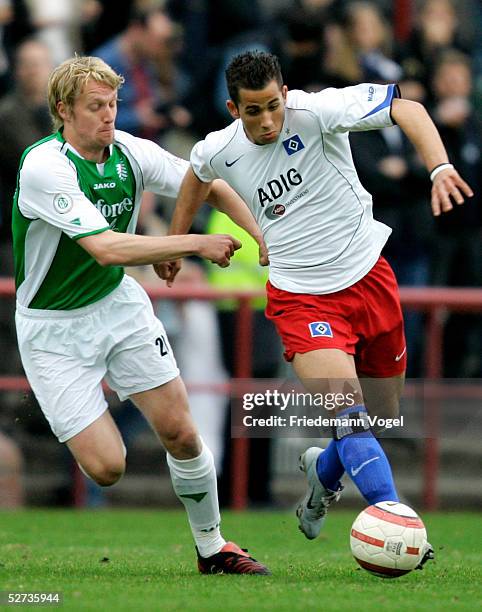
x=301, y=48
x=14, y=27
x=24, y=118
x=58, y=25
x=104, y=19
x=457, y=250
x=5, y=18
x=145, y=54
x=437, y=29
x=362, y=52
x=174, y=83
x=371, y=39
x=216, y=31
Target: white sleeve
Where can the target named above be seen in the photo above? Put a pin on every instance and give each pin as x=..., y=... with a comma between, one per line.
x=162, y=172
x=48, y=190
x=357, y=108
x=200, y=162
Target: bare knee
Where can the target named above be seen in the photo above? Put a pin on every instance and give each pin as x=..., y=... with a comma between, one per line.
x=109, y=476
x=106, y=473
x=182, y=443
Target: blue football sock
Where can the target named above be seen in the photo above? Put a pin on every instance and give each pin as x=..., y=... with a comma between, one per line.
x=366, y=463
x=329, y=467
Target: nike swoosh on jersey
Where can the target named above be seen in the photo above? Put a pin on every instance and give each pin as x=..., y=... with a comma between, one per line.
x=354, y=471
x=229, y=164
x=398, y=357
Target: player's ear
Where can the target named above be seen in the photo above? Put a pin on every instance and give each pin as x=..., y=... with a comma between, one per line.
x=284, y=92
x=62, y=110
x=233, y=109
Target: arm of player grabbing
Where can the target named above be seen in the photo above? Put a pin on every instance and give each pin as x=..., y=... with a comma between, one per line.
x=192, y=194
x=226, y=200
x=111, y=248
x=419, y=128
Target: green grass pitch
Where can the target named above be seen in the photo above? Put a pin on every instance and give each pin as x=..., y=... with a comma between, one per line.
x=144, y=560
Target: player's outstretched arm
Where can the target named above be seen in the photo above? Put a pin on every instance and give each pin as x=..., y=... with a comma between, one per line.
x=416, y=123
x=226, y=200
x=111, y=248
x=192, y=194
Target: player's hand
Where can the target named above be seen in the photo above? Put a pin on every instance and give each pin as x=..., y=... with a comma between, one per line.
x=263, y=254
x=446, y=185
x=167, y=270
x=218, y=248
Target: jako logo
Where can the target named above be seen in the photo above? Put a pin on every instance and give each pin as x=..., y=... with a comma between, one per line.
x=371, y=92
x=275, y=188
x=104, y=185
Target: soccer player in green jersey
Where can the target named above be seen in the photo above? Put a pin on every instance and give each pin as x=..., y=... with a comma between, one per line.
x=80, y=319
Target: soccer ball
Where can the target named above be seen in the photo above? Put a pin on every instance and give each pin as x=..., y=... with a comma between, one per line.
x=388, y=539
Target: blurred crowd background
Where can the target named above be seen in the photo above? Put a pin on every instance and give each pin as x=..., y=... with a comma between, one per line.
x=173, y=54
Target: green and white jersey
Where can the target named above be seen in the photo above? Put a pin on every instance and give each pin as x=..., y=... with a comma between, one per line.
x=62, y=197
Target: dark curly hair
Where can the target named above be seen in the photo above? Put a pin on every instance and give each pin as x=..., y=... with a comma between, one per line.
x=252, y=70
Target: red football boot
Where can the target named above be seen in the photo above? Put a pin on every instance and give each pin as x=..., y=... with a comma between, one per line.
x=231, y=560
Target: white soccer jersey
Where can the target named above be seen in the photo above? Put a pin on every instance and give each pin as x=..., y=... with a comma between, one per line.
x=303, y=189
x=62, y=197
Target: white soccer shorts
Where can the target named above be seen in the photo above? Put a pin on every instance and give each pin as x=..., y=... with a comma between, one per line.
x=67, y=353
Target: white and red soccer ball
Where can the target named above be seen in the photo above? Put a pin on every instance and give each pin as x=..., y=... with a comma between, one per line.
x=388, y=539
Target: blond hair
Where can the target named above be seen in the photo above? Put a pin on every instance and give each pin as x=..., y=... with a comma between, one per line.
x=68, y=80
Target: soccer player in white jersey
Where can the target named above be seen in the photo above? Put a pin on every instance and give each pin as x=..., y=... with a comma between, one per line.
x=81, y=319
x=332, y=297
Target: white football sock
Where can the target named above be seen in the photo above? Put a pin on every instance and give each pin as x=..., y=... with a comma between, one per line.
x=194, y=481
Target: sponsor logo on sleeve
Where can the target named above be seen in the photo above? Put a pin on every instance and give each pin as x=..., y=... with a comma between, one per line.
x=63, y=203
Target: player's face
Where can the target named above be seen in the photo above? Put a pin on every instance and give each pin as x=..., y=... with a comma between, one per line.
x=89, y=125
x=262, y=112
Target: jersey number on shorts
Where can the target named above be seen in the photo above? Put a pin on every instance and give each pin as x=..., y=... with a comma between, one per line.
x=162, y=344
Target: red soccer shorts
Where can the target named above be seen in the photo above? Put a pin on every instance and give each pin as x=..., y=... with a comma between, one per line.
x=364, y=320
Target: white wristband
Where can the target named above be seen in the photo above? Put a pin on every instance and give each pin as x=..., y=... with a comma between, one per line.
x=438, y=169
